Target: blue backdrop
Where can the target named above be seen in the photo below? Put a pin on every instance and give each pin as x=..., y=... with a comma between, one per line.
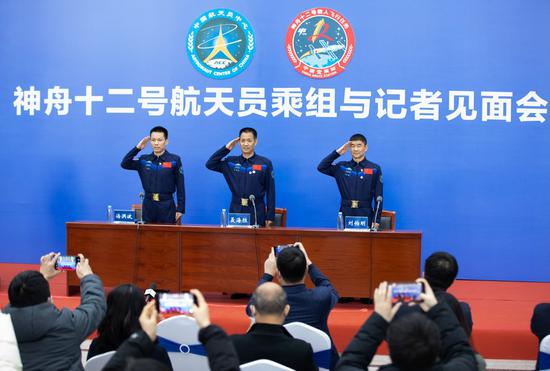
x=476, y=188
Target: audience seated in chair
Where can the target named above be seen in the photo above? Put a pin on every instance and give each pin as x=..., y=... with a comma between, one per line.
x=309, y=306
x=135, y=354
x=267, y=338
x=124, y=305
x=49, y=338
x=434, y=341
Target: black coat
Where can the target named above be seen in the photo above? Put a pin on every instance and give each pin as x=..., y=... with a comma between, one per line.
x=274, y=342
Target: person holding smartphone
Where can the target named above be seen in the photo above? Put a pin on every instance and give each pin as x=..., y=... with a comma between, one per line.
x=49, y=338
x=161, y=175
x=359, y=180
x=250, y=177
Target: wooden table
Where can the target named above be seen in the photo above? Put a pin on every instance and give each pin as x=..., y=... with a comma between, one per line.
x=216, y=259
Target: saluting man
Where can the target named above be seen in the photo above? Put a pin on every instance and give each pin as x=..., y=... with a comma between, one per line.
x=246, y=175
x=359, y=180
x=161, y=175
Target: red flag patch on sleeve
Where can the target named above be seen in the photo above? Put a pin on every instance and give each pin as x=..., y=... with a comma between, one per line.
x=367, y=171
x=167, y=165
x=257, y=167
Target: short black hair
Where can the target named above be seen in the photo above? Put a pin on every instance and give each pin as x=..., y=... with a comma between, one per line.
x=28, y=288
x=159, y=129
x=249, y=130
x=358, y=136
x=269, y=303
x=291, y=263
x=414, y=342
x=440, y=270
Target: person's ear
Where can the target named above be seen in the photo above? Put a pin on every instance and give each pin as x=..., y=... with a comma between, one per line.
x=366, y=147
x=287, y=309
x=253, y=310
x=166, y=142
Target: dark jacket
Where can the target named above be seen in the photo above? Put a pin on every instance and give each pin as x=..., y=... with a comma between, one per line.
x=273, y=342
x=220, y=350
x=97, y=347
x=457, y=353
x=49, y=338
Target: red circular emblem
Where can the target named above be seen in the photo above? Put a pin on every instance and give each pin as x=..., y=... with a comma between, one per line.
x=320, y=43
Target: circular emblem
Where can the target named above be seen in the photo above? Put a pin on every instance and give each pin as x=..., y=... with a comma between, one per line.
x=220, y=43
x=320, y=43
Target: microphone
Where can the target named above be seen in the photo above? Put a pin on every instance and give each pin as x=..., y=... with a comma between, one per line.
x=378, y=202
x=151, y=292
x=141, y=197
x=253, y=199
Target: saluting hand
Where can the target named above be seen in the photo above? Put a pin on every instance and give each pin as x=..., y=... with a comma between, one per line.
x=344, y=148
x=142, y=143
x=232, y=144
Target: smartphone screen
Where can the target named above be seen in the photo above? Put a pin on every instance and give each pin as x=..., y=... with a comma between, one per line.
x=277, y=249
x=406, y=292
x=176, y=303
x=66, y=263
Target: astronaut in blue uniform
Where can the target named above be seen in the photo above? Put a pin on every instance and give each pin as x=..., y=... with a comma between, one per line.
x=359, y=180
x=246, y=175
x=161, y=175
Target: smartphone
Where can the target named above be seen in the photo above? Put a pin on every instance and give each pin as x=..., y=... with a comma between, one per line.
x=277, y=249
x=406, y=292
x=176, y=303
x=66, y=263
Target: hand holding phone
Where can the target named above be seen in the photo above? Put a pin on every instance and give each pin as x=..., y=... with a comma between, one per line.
x=277, y=249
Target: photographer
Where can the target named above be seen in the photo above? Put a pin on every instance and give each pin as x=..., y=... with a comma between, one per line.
x=137, y=351
x=309, y=306
x=49, y=338
x=415, y=341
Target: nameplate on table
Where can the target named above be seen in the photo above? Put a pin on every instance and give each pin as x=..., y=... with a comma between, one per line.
x=238, y=220
x=124, y=216
x=357, y=223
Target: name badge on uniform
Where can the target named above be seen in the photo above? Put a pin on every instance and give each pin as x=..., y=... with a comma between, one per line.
x=238, y=220
x=124, y=216
x=357, y=223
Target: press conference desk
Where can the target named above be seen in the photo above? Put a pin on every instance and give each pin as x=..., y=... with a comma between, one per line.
x=216, y=259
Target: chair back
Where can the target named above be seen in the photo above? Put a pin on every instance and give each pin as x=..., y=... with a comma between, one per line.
x=320, y=342
x=179, y=335
x=280, y=217
x=544, y=354
x=387, y=220
x=96, y=363
x=263, y=365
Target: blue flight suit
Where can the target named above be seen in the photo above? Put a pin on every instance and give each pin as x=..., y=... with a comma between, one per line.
x=359, y=184
x=245, y=177
x=160, y=177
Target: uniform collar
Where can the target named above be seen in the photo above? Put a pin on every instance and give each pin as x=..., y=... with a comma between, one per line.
x=163, y=157
x=362, y=163
x=251, y=158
